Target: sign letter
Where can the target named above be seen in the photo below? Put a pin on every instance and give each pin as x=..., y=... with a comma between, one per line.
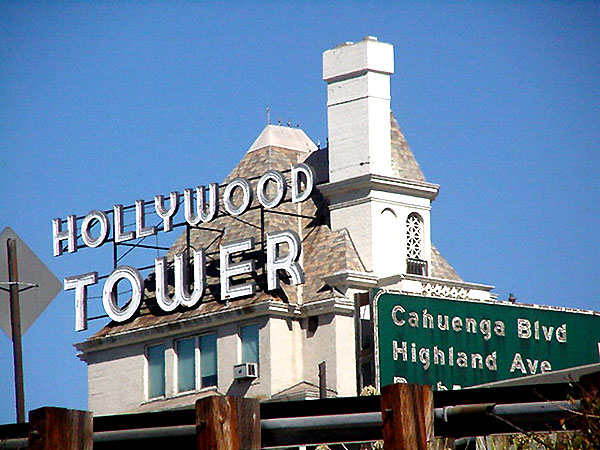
x=228, y=269
x=109, y=299
x=182, y=279
x=102, y=219
x=140, y=220
x=523, y=328
x=167, y=214
x=80, y=284
x=309, y=173
x=280, y=190
x=203, y=214
x=68, y=235
x=118, y=233
x=289, y=263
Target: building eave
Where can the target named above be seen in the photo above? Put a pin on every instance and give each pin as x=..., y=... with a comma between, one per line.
x=373, y=182
x=465, y=284
x=336, y=305
x=352, y=278
x=269, y=308
x=211, y=319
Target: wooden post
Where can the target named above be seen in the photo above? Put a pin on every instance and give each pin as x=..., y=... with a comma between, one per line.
x=60, y=429
x=322, y=380
x=15, y=324
x=407, y=412
x=227, y=423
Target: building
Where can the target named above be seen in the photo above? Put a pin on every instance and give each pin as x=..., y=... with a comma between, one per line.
x=366, y=224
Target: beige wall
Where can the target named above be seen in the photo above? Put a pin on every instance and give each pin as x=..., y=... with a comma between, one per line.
x=117, y=377
x=345, y=366
x=286, y=360
x=332, y=342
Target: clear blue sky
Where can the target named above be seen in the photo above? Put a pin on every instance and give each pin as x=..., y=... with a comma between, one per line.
x=107, y=102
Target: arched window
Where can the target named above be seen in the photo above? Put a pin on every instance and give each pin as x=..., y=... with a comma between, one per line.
x=414, y=245
x=388, y=244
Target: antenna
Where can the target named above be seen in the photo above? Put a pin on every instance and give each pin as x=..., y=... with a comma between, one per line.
x=268, y=115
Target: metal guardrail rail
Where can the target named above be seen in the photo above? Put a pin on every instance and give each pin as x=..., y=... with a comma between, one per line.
x=353, y=427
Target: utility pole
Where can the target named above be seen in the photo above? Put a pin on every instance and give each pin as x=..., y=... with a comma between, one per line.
x=15, y=322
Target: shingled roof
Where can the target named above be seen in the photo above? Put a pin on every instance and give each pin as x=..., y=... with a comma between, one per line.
x=404, y=163
x=324, y=251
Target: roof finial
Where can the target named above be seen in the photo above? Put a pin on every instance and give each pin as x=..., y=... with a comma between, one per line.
x=268, y=115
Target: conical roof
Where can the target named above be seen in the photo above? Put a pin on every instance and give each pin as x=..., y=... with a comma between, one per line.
x=404, y=163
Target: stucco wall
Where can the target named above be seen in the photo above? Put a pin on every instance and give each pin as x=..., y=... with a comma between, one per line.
x=116, y=380
x=285, y=347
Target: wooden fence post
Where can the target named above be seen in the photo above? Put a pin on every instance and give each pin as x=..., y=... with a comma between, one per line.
x=53, y=428
x=407, y=412
x=227, y=423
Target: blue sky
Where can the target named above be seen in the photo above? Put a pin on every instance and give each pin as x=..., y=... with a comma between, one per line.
x=107, y=102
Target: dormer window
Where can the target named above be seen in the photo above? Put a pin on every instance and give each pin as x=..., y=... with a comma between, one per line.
x=415, y=264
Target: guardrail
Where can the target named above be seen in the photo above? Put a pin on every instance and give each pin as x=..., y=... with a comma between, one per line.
x=406, y=416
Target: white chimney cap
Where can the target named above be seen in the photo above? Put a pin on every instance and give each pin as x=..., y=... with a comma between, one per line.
x=350, y=60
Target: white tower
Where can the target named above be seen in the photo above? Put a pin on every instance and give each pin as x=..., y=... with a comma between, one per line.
x=387, y=216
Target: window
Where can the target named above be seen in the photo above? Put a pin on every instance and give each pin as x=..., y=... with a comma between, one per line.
x=186, y=364
x=414, y=236
x=208, y=360
x=249, y=337
x=388, y=244
x=414, y=245
x=188, y=352
x=156, y=370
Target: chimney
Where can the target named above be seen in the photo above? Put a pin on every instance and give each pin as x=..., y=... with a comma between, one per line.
x=358, y=108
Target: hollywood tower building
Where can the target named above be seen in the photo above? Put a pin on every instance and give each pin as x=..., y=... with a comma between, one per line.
x=366, y=224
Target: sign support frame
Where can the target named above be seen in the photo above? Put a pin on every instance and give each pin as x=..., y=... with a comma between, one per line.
x=15, y=322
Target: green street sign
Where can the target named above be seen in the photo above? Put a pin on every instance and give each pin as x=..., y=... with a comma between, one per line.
x=457, y=343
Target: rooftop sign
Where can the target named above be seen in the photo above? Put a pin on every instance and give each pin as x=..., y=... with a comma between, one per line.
x=456, y=343
x=282, y=248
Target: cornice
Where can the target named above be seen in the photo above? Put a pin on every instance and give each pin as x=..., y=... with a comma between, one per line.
x=352, y=278
x=454, y=283
x=373, y=182
x=338, y=305
x=212, y=319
